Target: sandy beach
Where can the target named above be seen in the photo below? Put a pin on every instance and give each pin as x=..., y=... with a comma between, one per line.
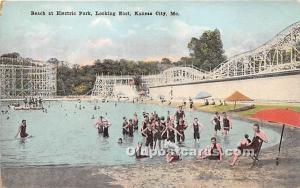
x=189, y=173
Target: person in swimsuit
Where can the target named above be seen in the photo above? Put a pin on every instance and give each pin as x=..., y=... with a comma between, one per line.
x=170, y=130
x=161, y=128
x=197, y=129
x=135, y=121
x=244, y=143
x=149, y=132
x=106, y=124
x=180, y=128
x=22, y=130
x=216, y=121
x=124, y=125
x=157, y=135
x=258, y=138
x=99, y=125
x=145, y=123
x=212, y=152
x=129, y=128
x=227, y=125
x=179, y=114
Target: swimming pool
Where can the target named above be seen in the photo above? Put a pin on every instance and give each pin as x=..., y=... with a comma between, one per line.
x=66, y=134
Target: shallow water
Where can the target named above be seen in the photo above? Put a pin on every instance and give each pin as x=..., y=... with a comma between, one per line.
x=66, y=135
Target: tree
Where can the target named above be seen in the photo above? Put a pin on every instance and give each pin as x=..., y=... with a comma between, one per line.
x=11, y=55
x=207, y=52
x=81, y=89
x=53, y=61
x=166, y=61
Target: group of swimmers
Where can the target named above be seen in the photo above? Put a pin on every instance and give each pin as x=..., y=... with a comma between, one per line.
x=157, y=129
x=217, y=120
x=159, y=132
x=102, y=126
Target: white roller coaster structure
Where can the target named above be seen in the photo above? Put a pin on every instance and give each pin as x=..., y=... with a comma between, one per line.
x=21, y=78
x=278, y=55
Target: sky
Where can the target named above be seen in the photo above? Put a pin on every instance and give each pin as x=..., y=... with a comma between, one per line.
x=82, y=39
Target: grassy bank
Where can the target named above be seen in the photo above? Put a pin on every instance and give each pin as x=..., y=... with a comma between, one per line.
x=230, y=106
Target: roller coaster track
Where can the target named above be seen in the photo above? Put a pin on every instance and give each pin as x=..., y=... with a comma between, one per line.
x=280, y=54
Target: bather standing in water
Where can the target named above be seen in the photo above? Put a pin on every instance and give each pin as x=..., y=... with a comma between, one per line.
x=129, y=128
x=197, y=129
x=124, y=125
x=179, y=114
x=22, y=130
x=145, y=123
x=149, y=132
x=106, y=124
x=161, y=126
x=227, y=125
x=216, y=121
x=99, y=125
x=181, y=126
x=135, y=121
x=170, y=130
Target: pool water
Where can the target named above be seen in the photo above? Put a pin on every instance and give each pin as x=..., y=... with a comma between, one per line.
x=66, y=134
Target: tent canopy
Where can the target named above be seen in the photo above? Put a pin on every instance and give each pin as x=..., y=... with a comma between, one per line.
x=237, y=96
x=203, y=95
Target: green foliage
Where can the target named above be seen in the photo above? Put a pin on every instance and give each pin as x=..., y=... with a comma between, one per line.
x=81, y=89
x=207, y=51
x=166, y=61
x=79, y=80
x=11, y=55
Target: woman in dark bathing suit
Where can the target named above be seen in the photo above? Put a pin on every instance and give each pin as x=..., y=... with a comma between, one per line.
x=125, y=123
x=149, y=132
x=106, y=124
x=99, y=125
x=22, y=130
x=129, y=128
x=170, y=130
x=216, y=121
x=163, y=128
x=226, y=123
x=145, y=124
x=197, y=128
x=258, y=138
x=135, y=122
x=181, y=126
